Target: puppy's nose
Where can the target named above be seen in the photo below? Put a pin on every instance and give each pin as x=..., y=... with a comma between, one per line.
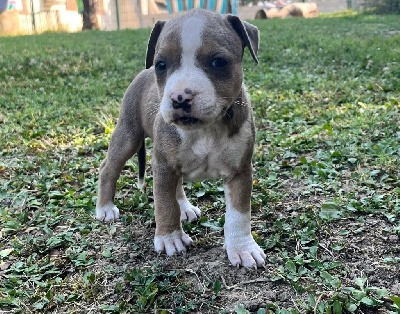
x=182, y=99
x=182, y=96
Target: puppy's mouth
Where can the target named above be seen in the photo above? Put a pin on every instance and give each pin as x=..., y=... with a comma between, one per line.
x=188, y=120
x=185, y=120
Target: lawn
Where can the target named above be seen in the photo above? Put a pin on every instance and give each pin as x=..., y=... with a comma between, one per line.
x=326, y=196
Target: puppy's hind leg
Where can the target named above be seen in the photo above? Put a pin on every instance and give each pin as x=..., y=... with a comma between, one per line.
x=123, y=145
x=188, y=211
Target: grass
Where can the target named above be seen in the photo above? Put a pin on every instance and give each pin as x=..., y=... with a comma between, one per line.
x=326, y=98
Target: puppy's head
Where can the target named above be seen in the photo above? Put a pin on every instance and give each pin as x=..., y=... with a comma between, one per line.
x=197, y=59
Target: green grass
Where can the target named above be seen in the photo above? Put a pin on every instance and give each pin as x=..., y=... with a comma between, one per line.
x=326, y=98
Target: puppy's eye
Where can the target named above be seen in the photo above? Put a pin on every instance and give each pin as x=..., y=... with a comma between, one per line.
x=219, y=63
x=161, y=66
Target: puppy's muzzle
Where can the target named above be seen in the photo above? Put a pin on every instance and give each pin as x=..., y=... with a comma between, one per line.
x=182, y=103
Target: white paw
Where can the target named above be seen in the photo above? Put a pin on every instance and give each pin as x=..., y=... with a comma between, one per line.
x=172, y=243
x=246, y=252
x=107, y=213
x=188, y=211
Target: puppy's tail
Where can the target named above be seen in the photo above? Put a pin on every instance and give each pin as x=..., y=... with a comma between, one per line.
x=142, y=164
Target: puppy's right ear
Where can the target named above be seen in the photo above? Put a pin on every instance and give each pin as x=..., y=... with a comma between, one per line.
x=151, y=47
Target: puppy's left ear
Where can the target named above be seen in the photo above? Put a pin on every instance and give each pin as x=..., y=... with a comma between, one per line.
x=151, y=46
x=248, y=33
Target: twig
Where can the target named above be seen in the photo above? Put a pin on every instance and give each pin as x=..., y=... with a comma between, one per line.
x=295, y=305
x=225, y=285
x=255, y=281
x=330, y=253
x=327, y=294
x=189, y=270
x=318, y=300
x=243, y=282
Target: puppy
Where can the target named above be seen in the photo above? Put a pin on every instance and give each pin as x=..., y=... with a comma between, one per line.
x=192, y=102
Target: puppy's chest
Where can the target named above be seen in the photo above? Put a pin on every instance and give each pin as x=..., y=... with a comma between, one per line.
x=209, y=157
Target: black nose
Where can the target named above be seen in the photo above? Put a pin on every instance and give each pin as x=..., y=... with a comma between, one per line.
x=184, y=105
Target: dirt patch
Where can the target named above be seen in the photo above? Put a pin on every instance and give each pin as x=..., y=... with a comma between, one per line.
x=361, y=246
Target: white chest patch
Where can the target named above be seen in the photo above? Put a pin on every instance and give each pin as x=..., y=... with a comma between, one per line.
x=204, y=158
x=204, y=146
x=211, y=154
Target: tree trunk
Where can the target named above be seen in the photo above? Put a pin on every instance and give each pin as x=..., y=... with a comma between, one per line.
x=89, y=14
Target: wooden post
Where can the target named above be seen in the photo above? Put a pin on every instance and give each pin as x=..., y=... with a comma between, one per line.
x=117, y=12
x=33, y=16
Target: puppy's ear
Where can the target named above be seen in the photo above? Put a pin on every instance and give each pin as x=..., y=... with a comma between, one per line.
x=151, y=47
x=248, y=33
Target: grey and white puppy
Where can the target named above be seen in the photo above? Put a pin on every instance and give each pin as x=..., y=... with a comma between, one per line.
x=192, y=102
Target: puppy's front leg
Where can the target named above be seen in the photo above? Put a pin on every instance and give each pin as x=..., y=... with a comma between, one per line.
x=169, y=235
x=188, y=211
x=239, y=243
